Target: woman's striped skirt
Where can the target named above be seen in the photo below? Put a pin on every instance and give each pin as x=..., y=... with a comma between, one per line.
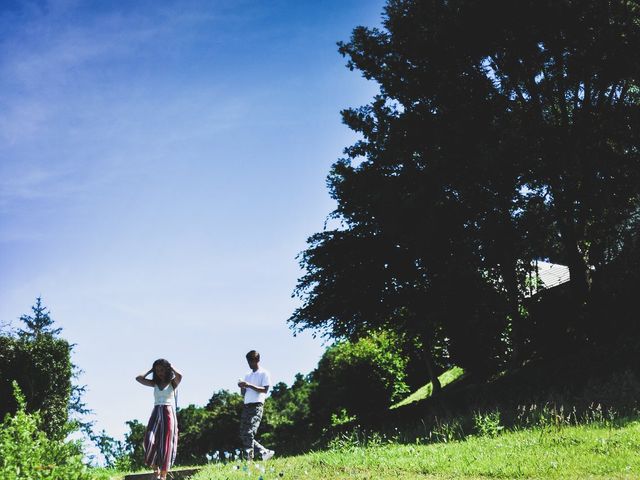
x=161, y=438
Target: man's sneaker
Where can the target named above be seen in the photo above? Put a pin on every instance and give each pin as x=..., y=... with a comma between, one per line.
x=267, y=454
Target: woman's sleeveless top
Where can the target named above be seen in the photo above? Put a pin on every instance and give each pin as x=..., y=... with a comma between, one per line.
x=164, y=396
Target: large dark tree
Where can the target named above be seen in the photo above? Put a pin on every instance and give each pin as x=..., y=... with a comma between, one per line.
x=570, y=72
x=503, y=132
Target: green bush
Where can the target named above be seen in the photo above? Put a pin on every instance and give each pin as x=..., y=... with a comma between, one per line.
x=27, y=454
x=359, y=380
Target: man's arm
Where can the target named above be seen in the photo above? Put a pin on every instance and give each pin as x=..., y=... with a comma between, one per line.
x=244, y=385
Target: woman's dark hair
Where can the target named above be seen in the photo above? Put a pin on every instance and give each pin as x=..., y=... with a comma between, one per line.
x=167, y=367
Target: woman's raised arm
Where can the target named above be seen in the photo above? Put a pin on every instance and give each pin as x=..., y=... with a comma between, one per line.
x=142, y=378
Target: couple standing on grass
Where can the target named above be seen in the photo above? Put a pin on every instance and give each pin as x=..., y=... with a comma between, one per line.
x=161, y=436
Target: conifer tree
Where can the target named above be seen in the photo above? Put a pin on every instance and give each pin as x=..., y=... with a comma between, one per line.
x=38, y=324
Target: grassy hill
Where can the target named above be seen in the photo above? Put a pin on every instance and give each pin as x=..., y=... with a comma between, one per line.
x=570, y=418
x=601, y=450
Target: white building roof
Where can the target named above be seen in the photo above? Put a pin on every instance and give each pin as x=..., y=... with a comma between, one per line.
x=547, y=275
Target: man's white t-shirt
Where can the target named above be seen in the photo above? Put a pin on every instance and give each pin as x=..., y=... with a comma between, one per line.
x=260, y=378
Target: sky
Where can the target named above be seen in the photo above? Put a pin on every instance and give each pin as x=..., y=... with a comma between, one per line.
x=162, y=164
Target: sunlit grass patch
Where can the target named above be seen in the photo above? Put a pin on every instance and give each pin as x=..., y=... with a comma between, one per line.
x=425, y=391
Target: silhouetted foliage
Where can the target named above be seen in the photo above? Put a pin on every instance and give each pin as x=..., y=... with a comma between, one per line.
x=499, y=135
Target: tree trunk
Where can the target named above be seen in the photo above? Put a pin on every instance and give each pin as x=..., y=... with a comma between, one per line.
x=580, y=278
x=513, y=298
x=431, y=370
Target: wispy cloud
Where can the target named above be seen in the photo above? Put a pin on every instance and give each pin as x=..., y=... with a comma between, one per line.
x=61, y=52
x=81, y=109
x=44, y=65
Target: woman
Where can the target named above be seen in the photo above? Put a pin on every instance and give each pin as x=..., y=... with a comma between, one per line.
x=161, y=437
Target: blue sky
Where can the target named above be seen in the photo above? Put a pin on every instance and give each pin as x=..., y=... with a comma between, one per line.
x=161, y=166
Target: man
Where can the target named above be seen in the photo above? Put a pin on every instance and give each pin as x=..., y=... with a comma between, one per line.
x=254, y=388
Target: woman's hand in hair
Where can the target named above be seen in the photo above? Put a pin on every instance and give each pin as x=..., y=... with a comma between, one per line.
x=177, y=376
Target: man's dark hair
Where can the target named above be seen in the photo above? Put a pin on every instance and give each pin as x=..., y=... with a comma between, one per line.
x=253, y=355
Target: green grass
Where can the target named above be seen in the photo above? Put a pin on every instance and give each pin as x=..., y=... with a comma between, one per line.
x=100, y=473
x=446, y=378
x=570, y=452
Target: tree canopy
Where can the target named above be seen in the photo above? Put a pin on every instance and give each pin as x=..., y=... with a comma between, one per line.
x=501, y=134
